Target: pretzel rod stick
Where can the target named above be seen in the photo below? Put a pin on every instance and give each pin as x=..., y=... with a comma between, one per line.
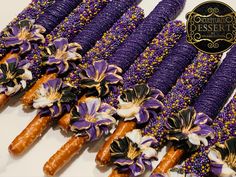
x=115, y=173
x=103, y=155
x=64, y=155
x=29, y=135
x=27, y=99
x=171, y=159
x=3, y=100
x=64, y=122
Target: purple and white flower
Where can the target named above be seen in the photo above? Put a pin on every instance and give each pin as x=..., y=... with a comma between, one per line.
x=223, y=158
x=92, y=118
x=13, y=76
x=133, y=153
x=23, y=34
x=61, y=53
x=54, y=98
x=99, y=76
x=189, y=128
x=134, y=104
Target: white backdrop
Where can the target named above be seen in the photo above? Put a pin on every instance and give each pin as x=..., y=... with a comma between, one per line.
x=13, y=119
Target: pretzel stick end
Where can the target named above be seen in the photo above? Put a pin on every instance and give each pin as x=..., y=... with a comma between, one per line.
x=103, y=155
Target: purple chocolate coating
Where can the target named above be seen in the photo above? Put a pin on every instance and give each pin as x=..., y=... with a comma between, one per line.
x=77, y=19
x=225, y=128
x=173, y=66
x=55, y=13
x=147, y=63
x=101, y=23
x=219, y=88
x=165, y=11
x=183, y=94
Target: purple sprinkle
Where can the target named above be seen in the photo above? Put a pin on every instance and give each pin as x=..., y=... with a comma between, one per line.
x=101, y=23
x=55, y=13
x=152, y=25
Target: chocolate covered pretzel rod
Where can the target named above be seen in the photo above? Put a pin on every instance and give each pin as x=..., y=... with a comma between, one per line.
x=211, y=101
x=76, y=21
x=170, y=34
x=204, y=162
x=164, y=77
x=132, y=12
x=187, y=88
x=224, y=126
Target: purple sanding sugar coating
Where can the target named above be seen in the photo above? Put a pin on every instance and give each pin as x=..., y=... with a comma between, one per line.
x=32, y=11
x=146, y=64
x=55, y=13
x=173, y=66
x=225, y=128
x=165, y=11
x=219, y=88
x=77, y=19
x=110, y=41
x=188, y=87
x=101, y=23
x=116, y=35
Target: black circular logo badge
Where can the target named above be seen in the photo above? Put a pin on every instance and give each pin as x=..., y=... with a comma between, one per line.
x=211, y=27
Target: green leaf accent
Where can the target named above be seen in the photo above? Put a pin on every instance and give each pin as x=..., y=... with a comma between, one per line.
x=3, y=67
x=25, y=23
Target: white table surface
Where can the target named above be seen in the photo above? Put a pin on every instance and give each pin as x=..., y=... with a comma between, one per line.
x=13, y=119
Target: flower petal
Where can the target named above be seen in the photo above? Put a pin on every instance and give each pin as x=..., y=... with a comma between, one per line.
x=100, y=67
x=135, y=136
x=150, y=153
x=194, y=139
x=142, y=116
x=113, y=78
x=202, y=118
x=93, y=105
x=151, y=103
x=61, y=43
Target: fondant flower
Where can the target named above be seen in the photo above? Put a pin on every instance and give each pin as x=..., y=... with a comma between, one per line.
x=13, y=76
x=22, y=34
x=223, y=159
x=61, y=53
x=92, y=118
x=54, y=98
x=189, y=128
x=135, y=103
x=133, y=153
x=99, y=76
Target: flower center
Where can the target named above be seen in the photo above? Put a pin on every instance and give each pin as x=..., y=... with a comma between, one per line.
x=90, y=118
x=133, y=151
x=231, y=161
x=24, y=34
x=60, y=54
x=53, y=96
x=9, y=75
